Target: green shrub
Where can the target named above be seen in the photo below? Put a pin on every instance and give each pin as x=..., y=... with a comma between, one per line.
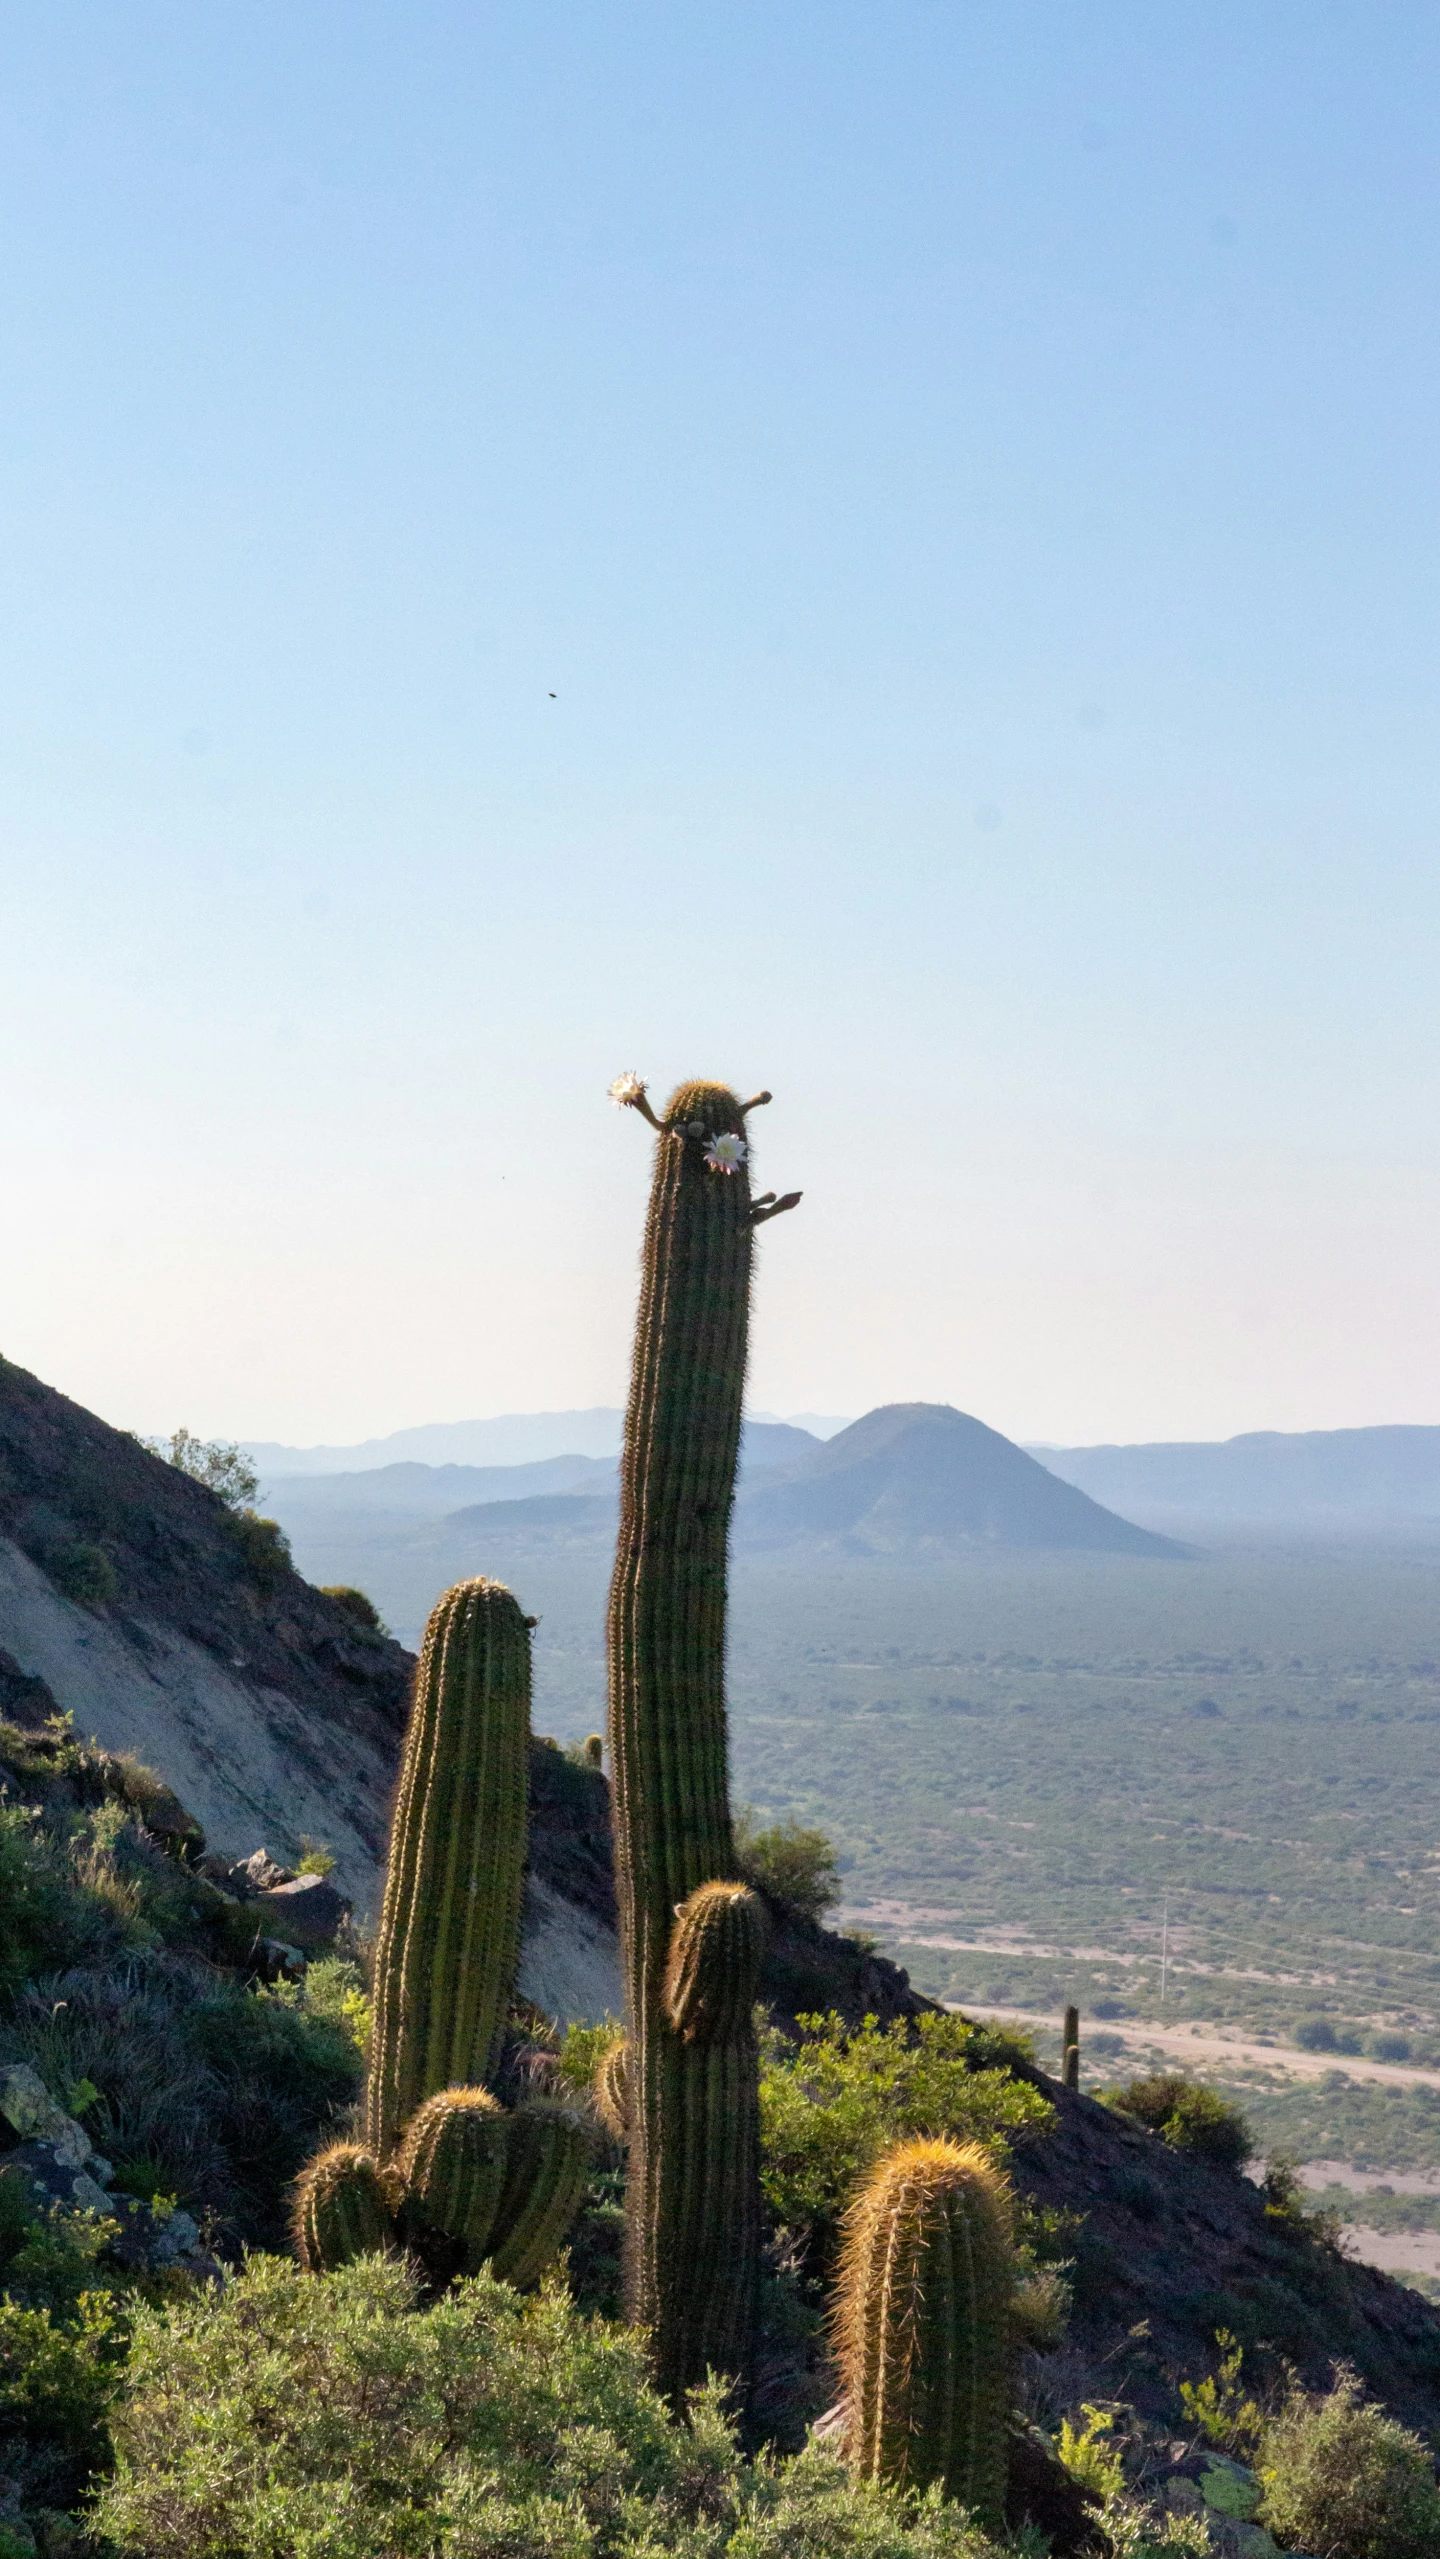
x=62, y=2336
x=797, y=1866
x=217, y=1463
x=83, y=1572
x=328, y=2415
x=264, y=1549
x=1188, y=2117
x=830, y=2106
x=357, y=1606
x=1342, y=2478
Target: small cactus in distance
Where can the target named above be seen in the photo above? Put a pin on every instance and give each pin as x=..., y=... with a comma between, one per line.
x=449, y=1936
x=921, y=2323
x=595, y=1750
x=1070, y=2067
x=342, y=2208
x=452, y=2164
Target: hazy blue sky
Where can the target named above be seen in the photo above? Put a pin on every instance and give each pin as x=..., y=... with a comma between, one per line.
x=968, y=477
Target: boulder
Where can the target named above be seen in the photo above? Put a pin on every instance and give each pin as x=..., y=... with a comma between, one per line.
x=31, y=2111
x=304, y=1913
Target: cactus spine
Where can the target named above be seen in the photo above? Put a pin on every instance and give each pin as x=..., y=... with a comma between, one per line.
x=921, y=2323
x=609, y=2092
x=453, y=2163
x=1070, y=2066
x=692, y=2200
x=342, y=2208
x=450, y=1925
x=548, y=2163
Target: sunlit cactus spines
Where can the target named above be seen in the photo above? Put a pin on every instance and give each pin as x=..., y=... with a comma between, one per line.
x=712, y=1973
x=610, y=2092
x=922, y=2323
x=449, y=1936
x=547, y=2166
x=341, y=2209
x=452, y=2165
x=692, y=2201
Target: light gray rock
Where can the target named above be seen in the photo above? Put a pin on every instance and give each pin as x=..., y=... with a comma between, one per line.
x=27, y=2105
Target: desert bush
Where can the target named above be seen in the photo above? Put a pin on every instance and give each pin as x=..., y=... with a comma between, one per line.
x=83, y=1572
x=217, y=1463
x=796, y=1865
x=264, y=1549
x=357, y=1606
x=1190, y=2118
x=329, y=2414
x=62, y=2338
x=832, y=2104
x=1342, y=2479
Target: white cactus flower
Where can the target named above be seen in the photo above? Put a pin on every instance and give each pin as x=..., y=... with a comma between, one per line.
x=726, y=1154
x=627, y=1090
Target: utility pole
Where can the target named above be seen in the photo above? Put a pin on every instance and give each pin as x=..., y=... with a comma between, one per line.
x=1164, y=1952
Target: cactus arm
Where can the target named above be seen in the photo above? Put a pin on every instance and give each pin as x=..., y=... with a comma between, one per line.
x=342, y=2208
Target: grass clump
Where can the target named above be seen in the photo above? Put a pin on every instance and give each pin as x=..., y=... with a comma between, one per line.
x=1343, y=2479
x=331, y=2415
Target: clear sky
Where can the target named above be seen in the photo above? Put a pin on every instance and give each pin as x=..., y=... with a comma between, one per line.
x=883, y=550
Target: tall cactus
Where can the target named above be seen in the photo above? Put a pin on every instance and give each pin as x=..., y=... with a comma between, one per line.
x=692, y=2198
x=922, y=2323
x=450, y=1924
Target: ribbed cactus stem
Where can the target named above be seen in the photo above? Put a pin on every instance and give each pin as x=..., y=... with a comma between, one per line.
x=548, y=2163
x=450, y=1925
x=712, y=1972
x=452, y=2164
x=692, y=2198
x=342, y=2208
x=610, y=2093
x=922, y=2324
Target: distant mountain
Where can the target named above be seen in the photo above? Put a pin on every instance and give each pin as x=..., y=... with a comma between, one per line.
x=507, y=1439
x=1316, y=1479
x=923, y=1479
x=414, y=1491
x=510, y=1440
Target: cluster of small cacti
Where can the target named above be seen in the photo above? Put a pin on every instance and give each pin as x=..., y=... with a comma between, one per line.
x=446, y=2170
x=469, y=2185
x=923, y=2314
